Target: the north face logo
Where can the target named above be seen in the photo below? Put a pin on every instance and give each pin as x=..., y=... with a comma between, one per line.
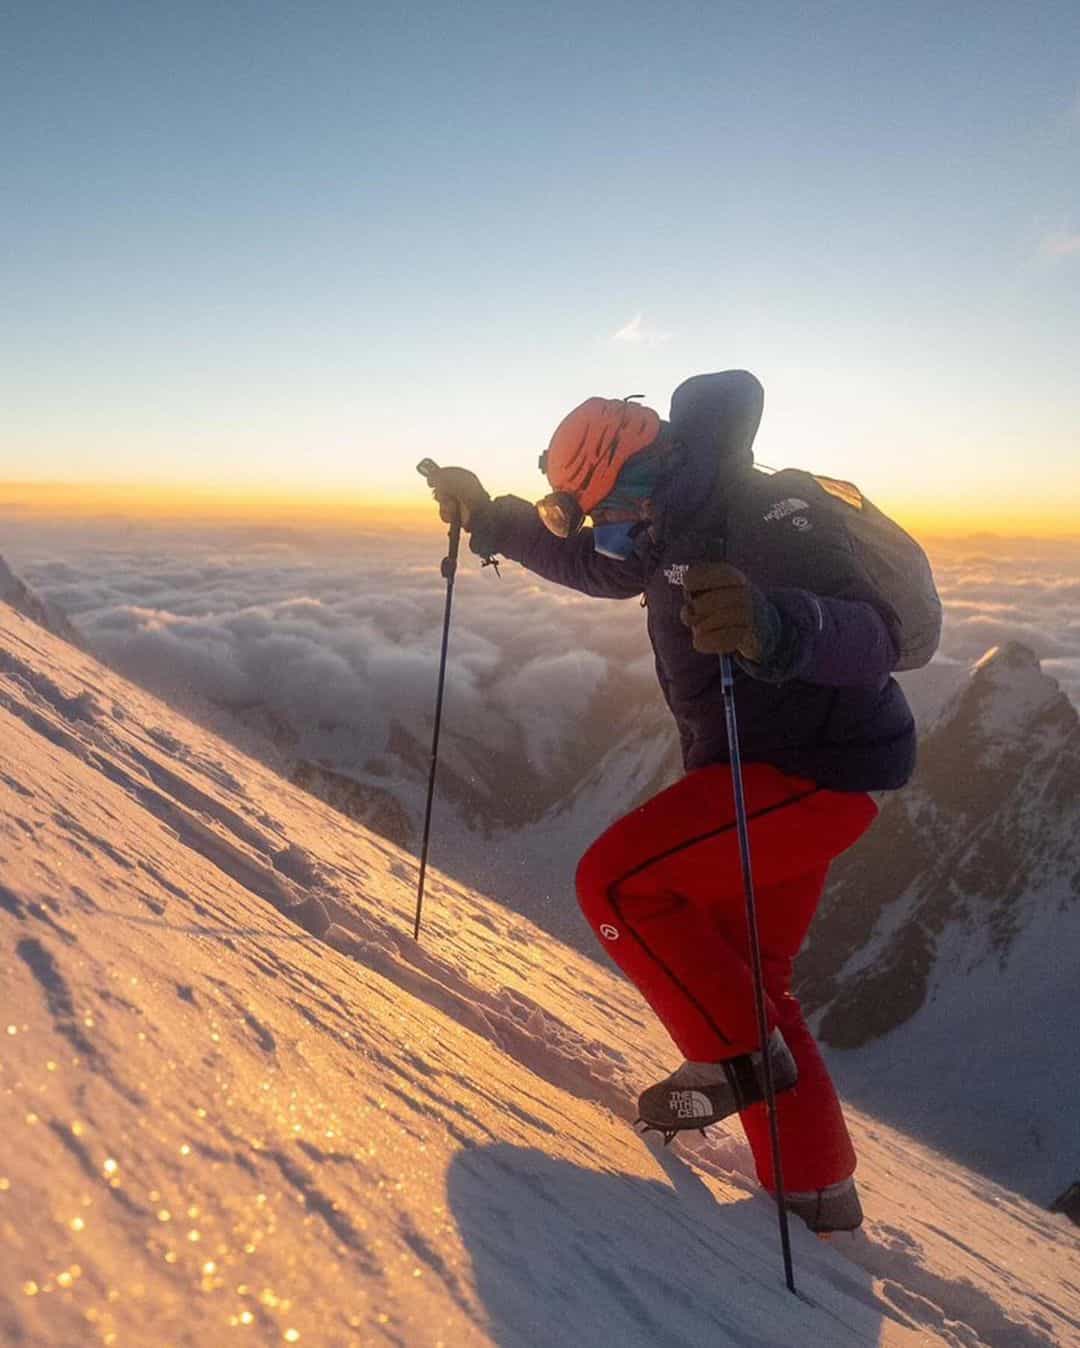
x=689, y=1104
x=676, y=574
x=782, y=509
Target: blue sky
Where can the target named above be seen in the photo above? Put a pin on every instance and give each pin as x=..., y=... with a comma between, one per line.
x=297, y=246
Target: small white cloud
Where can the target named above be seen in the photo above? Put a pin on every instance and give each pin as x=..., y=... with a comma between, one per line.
x=1062, y=243
x=639, y=333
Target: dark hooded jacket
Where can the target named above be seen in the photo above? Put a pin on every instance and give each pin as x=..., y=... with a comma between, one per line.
x=825, y=707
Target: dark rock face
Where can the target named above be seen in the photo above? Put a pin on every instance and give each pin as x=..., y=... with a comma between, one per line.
x=372, y=806
x=1069, y=1203
x=988, y=829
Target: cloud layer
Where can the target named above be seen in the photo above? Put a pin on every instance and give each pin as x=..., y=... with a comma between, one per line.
x=337, y=637
x=998, y=590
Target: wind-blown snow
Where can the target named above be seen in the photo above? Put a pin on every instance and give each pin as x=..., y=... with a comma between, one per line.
x=218, y=1128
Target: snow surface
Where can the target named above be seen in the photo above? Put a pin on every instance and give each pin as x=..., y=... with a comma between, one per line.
x=982, y=1013
x=219, y=1128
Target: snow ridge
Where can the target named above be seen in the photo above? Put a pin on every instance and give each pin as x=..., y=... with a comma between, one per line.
x=944, y=946
x=218, y=1122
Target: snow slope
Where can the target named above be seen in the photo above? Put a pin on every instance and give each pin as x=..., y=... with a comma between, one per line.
x=220, y=1129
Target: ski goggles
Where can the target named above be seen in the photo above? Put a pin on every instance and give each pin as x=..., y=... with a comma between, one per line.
x=564, y=517
x=561, y=514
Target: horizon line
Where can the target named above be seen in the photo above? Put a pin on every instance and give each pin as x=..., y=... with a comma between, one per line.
x=239, y=501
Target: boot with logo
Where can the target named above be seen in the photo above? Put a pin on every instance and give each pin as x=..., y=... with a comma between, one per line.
x=827, y=1211
x=698, y=1094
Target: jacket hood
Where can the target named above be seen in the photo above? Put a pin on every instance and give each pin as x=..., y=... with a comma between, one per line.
x=716, y=416
x=714, y=419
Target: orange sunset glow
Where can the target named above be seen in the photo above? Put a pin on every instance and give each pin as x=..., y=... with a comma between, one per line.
x=1011, y=516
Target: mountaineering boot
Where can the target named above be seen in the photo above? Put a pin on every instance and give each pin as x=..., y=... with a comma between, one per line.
x=700, y=1093
x=835, y=1208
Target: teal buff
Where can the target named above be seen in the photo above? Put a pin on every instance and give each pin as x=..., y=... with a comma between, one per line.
x=634, y=485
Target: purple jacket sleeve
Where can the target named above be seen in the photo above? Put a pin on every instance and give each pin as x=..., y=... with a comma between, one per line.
x=839, y=643
x=511, y=526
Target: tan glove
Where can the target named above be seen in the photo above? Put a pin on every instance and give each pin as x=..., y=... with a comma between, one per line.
x=458, y=492
x=727, y=613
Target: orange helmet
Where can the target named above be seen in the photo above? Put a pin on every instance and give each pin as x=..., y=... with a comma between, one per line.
x=592, y=444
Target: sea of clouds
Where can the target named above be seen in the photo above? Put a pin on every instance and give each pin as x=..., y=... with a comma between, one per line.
x=337, y=634
x=997, y=590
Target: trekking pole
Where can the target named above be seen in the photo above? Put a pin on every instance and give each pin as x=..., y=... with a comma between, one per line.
x=426, y=467
x=727, y=683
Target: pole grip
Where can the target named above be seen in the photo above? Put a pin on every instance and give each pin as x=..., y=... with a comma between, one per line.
x=426, y=468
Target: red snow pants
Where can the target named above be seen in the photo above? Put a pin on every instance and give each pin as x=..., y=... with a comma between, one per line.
x=663, y=890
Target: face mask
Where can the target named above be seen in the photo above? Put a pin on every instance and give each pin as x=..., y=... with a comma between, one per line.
x=616, y=540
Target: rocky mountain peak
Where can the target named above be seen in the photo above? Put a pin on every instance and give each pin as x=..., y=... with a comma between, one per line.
x=986, y=834
x=1012, y=656
x=948, y=929
x=1007, y=713
x=1014, y=677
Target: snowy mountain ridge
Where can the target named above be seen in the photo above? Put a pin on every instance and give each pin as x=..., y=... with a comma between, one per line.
x=945, y=942
x=902, y=934
x=508, y=819
x=987, y=829
x=218, y=1122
